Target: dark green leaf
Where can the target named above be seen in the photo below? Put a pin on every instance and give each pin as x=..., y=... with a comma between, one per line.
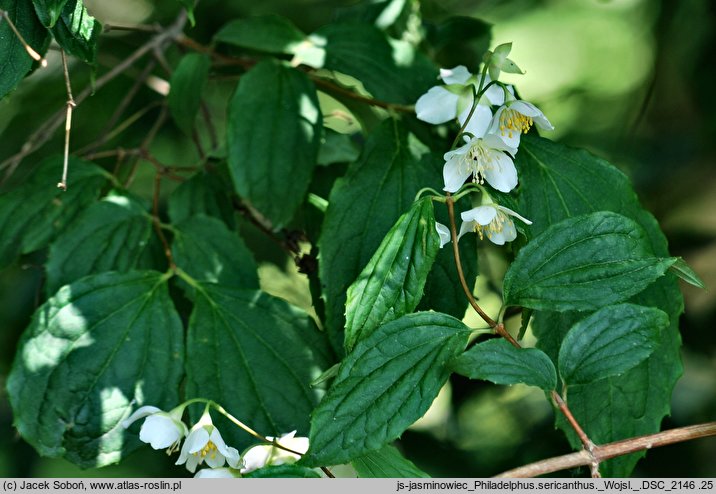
x=386, y=463
x=34, y=213
x=186, y=87
x=391, y=285
x=256, y=355
x=15, y=62
x=189, y=6
x=110, y=235
x=283, y=472
x=211, y=253
x=498, y=361
x=77, y=32
x=49, y=11
x=383, y=386
x=268, y=33
x=396, y=17
x=273, y=133
x=93, y=352
x=684, y=271
x=460, y=41
x=336, y=148
x=610, y=342
x=583, y=263
x=204, y=193
x=395, y=72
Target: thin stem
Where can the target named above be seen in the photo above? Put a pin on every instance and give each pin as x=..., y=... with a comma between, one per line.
x=157, y=224
x=612, y=450
x=587, y=443
x=68, y=122
x=30, y=51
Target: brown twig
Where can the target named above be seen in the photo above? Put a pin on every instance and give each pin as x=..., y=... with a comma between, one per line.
x=587, y=443
x=68, y=122
x=156, y=222
x=612, y=450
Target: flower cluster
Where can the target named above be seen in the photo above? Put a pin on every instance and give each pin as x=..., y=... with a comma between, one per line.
x=491, y=139
x=204, y=444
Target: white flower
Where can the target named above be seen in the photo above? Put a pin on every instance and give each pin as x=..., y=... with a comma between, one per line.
x=491, y=220
x=217, y=473
x=444, y=103
x=483, y=158
x=204, y=443
x=160, y=429
x=516, y=117
x=267, y=454
x=443, y=233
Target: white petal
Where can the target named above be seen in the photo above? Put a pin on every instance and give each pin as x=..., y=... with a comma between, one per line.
x=214, y=473
x=479, y=122
x=139, y=413
x=502, y=174
x=215, y=459
x=443, y=233
x=466, y=227
x=482, y=215
x=233, y=458
x=456, y=75
x=192, y=462
x=494, y=94
x=515, y=214
x=508, y=141
x=437, y=106
x=507, y=234
x=161, y=431
x=256, y=458
x=497, y=142
x=529, y=110
x=455, y=174
x=218, y=441
x=198, y=438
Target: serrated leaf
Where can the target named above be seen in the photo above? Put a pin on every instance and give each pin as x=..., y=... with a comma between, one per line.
x=609, y=342
x=186, y=88
x=15, y=62
x=386, y=463
x=267, y=33
x=273, y=134
x=34, y=213
x=383, y=386
x=256, y=355
x=498, y=361
x=391, y=71
x=77, y=31
x=94, y=351
x=681, y=269
x=48, y=11
x=211, y=253
x=391, y=284
x=583, y=263
x=110, y=235
x=204, y=193
x=283, y=472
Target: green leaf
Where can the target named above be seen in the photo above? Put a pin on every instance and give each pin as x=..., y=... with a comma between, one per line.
x=336, y=148
x=110, y=235
x=267, y=33
x=186, y=87
x=256, y=355
x=559, y=182
x=15, y=62
x=211, y=253
x=94, y=351
x=460, y=41
x=189, y=6
x=609, y=342
x=496, y=360
x=386, y=463
x=204, y=193
x=33, y=214
x=383, y=386
x=77, y=32
x=381, y=185
x=681, y=269
x=283, y=472
x=273, y=134
x=583, y=263
x=391, y=71
x=391, y=285
x=48, y=11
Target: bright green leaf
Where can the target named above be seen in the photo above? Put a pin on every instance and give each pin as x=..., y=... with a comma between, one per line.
x=268, y=33
x=94, y=351
x=257, y=356
x=583, y=263
x=15, y=62
x=204, y=193
x=49, y=11
x=383, y=386
x=391, y=285
x=684, y=271
x=386, y=463
x=77, y=32
x=273, y=152
x=498, y=361
x=211, y=253
x=110, y=235
x=189, y=6
x=282, y=472
x=609, y=342
x=34, y=213
x=186, y=88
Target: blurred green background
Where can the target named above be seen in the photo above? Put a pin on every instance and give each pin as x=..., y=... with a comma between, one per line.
x=631, y=80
